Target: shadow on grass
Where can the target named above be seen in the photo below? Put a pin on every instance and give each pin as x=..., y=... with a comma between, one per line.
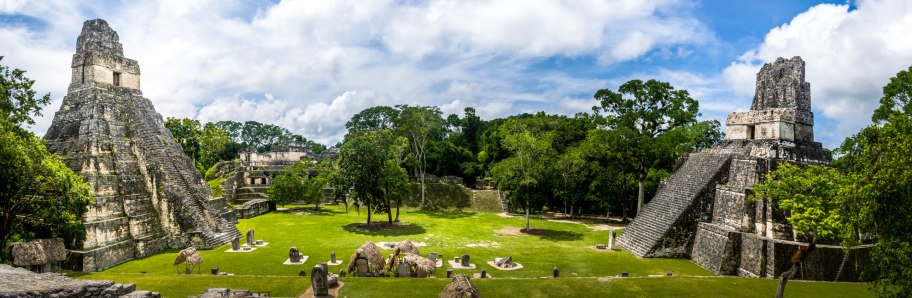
x=384, y=229
x=309, y=210
x=555, y=235
x=448, y=214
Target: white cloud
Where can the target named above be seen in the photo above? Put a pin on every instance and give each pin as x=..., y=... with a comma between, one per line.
x=850, y=55
x=324, y=122
x=206, y=58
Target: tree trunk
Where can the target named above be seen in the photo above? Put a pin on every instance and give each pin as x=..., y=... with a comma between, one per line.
x=368, y=214
x=641, y=194
x=389, y=211
x=527, y=217
x=780, y=291
x=422, y=188
x=624, y=213
x=398, y=204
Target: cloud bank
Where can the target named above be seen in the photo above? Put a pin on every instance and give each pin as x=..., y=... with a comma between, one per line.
x=310, y=65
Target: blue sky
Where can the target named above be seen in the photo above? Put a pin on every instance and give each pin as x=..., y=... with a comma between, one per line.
x=310, y=65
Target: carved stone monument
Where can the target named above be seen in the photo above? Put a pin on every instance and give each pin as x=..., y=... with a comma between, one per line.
x=250, y=239
x=236, y=243
x=319, y=280
x=464, y=261
x=147, y=195
x=611, y=235
x=294, y=255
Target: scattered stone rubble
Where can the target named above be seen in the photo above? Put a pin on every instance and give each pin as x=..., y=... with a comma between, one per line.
x=18, y=282
x=702, y=211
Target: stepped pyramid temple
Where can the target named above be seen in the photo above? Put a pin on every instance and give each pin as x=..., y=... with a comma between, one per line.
x=147, y=195
x=702, y=211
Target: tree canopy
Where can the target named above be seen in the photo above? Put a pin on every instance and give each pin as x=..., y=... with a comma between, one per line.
x=39, y=195
x=370, y=162
x=653, y=115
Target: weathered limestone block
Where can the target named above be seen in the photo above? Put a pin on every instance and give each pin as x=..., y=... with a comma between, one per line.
x=781, y=85
x=147, y=194
x=781, y=109
x=18, y=282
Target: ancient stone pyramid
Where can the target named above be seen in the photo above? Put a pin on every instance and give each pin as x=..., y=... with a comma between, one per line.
x=147, y=194
x=702, y=211
x=712, y=186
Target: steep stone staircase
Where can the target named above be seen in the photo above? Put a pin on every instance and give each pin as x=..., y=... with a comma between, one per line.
x=173, y=164
x=503, y=201
x=683, y=190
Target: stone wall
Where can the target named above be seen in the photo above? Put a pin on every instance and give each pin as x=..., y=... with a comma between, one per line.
x=254, y=208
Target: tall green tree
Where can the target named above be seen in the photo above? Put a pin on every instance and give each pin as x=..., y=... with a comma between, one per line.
x=573, y=178
x=879, y=191
x=186, y=132
x=811, y=198
x=368, y=162
x=525, y=174
x=374, y=118
x=654, y=113
x=39, y=195
x=213, y=144
x=421, y=125
x=298, y=183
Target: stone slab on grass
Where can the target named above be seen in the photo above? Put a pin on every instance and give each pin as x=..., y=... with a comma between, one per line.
x=303, y=260
x=457, y=265
x=242, y=249
x=492, y=263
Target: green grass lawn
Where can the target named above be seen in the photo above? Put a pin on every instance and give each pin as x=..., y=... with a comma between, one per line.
x=448, y=233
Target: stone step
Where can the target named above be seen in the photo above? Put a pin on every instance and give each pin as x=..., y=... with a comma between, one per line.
x=682, y=190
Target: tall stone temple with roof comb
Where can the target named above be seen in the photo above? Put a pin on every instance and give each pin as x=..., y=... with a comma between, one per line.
x=147, y=195
x=702, y=211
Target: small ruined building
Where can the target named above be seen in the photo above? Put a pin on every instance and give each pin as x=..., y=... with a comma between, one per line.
x=252, y=173
x=702, y=212
x=39, y=255
x=147, y=196
x=252, y=208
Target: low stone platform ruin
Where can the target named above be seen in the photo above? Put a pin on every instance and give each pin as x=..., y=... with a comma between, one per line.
x=703, y=211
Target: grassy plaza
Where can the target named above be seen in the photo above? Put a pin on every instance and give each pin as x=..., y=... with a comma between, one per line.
x=584, y=271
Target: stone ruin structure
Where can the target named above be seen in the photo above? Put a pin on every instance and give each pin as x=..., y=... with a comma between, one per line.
x=147, y=196
x=702, y=212
x=248, y=177
x=18, y=282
